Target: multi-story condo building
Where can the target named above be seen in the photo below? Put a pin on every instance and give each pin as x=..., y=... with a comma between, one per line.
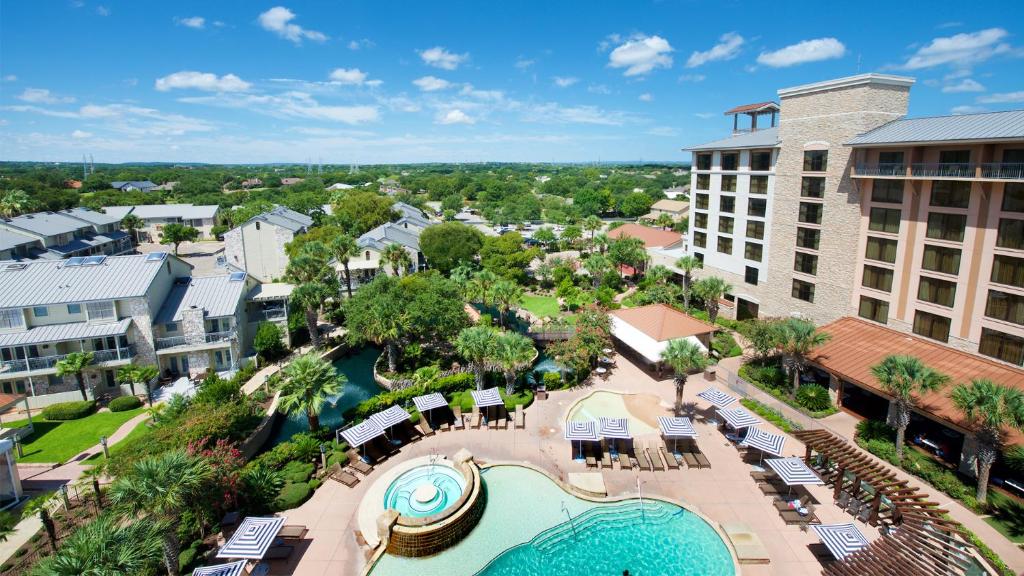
x=258, y=245
x=155, y=216
x=404, y=232
x=64, y=234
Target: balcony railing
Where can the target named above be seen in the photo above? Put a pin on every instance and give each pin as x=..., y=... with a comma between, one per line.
x=943, y=170
x=959, y=170
x=1003, y=170
x=208, y=338
x=882, y=170
x=50, y=362
x=276, y=313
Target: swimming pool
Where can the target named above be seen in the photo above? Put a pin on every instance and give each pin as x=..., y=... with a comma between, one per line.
x=525, y=531
x=425, y=490
x=641, y=410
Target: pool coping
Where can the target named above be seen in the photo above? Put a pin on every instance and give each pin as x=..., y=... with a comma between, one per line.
x=565, y=415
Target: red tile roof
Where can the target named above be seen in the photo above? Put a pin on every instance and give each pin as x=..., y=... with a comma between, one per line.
x=752, y=107
x=652, y=237
x=663, y=322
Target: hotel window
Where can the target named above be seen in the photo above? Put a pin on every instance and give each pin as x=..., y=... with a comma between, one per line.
x=942, y=259
x=812, y=186
x=703, y=181
x=700, y=239
x=729, y=183
x=946, y=226
x=931, y=326
x=724, y=245
x=704, y=161
x=808, y=238
x=882, y=249
x=873, y=309
x=810, y=213
x=700, y=220
x=757, y=207
x=815, y=160
x=753, y=251
x=803, y=290
x=702, y=201
x=1013, y=156
x=1005, y=306
x=730, y=160
x=758, y=184
x=877, y=278
x=40, y=311
x=761, y=160
x=806, y=263
x=954, y=157
x=74, y=308
x=1008, y=270
x=884, y=220
x=951, y=194
x=699, y=256
x=1010, y=234
x=171, y=327
x=750, y=275
x=890, y=159
x=725, y=224
x=755, y=230
x=1013, y=197
x=941, y=292
x=1005, y=347
x=887, y=191
x=100, y=311
x=12, y=318
x=727, y=204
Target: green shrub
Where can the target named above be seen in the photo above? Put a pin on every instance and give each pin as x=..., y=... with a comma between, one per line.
x=6, y=566
x=292, y=495
x=69, y=410
x=338, y=456
x=20, y=552
x=296, y=471
x=770, y=414
x=813, y=397
x=123, y=403
x=446, y=386
x=764, y=375
x=1014, y=458
x=725, y=345
x=552, y=380
x=315, y=483
x=301, y=448
x=216, y=390
x=186, y=558
x=259, y=396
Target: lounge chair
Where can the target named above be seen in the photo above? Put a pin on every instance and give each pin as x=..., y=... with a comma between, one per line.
x=762, y=476
x=459, y=423
x=702, y=460
x=606, y=459
x=783, y=504
x=624, y=462
x=794, y=517
x=643, y=460
x=356, y=463
x=293, y=531
x=769, y=489
x=474, y=421
x=278, y=552
x=520, y=417
x=670, y=459
x=424, y=429
x=345, y=477
x=591, y=459
x=655, y=459
x=691, y=460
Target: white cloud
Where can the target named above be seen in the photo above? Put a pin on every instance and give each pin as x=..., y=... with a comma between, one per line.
x=692, y=78
x=967, y=109
x=454, y=116
x=360, y=44
x=965, y=85
x=957, y=74
x=431, y=83
x=43, y=96
x=599, y=89
x=279, y=21
x=524, y=63
x=439, y=57
x=553, y=113
x=348, y=76
x=10, y=78
x=641, y=54
x=126, y=119
x=293, y=104
x=949, y=25
x=103, y=11
x=207, y=81
x=646, y=97
x=663, y=131
x=728, y=47
x=565, y=81
x=705, y=115
x=960, y=50
x=491, y=95
x=191, y=22
x=1003, y=98
x=803, y=52
x=80, y=134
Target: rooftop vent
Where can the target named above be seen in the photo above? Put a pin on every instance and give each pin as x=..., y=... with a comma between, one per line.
x=15, y=266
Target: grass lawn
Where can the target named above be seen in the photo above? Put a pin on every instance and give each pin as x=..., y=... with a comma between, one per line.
x=138, y=432
x=58, y=441
x=541, y=306
x=1007, y=516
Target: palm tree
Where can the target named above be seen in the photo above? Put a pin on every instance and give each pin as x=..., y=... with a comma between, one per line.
x=309, y=265
x=74, y=364
x=657, y=274
x=601, y=241
x=684, y=357
x=344, y=248
x=476, y=344
x=309, y=381
x=513, y=352
x=397, y=257
x=507, y=295
x=106, y=546
x=901, y=377
x=159, y=488
x=688, y=264
x=132, y=374
x=592, y=224
x=710, y=290
x=310, y=296
x=131, y=224
x=597, y=265
x=13, y=202
x=989, y=407
x=482, y=283
x=798, y=338
x=664, y=220
x=463, y=276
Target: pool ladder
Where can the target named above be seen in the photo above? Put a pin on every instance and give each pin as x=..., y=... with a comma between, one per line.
x=618, y=515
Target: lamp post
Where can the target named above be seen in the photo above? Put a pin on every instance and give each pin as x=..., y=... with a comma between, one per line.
x=106, y=451
x=323, y=456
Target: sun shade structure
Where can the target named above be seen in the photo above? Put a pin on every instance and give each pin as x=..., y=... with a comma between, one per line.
x=793, y=471
x=765, y=441
x=253, y=537
x=738, y=418
x=429, y=402
x=231, y=569
x=580, y=430
x=362, y=433
x=388, y=418
x=616, y=428
x=840, y=539
x=717, y=398
x=676, y=427
x=487, y=398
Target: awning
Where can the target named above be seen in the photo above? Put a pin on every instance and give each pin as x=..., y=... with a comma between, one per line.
x=793, y=471
x=486, y=398
x=232, y=569
x=765, y=442
x=429, y=402
x=718, y=398
x=676, y=427
x=252, y=539
x=65, y=332
x=739, y=418
x=388, y=418
x=272, y=291
x=840, y=539
x=581, y=430
x=614, y=428
x=362, y=433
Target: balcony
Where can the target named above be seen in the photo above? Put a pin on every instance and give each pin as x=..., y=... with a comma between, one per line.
x=274, y=314
x=99, y=357
x=998, y=171
x=209, y=340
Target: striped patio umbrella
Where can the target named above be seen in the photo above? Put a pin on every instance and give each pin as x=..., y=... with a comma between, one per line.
x=614, y=429
x=252, y=539
x=840, y=539
x=389, y=417
x=793, y=471
x=487, y=398
x=738, y=418
x=676, y=427
x=426, y=403
x=764, y=441
x=718, y=398
x=231, y=569
x=361, y=433
x=580, y=430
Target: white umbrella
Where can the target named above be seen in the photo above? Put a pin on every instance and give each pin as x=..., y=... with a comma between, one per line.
x=252, y=539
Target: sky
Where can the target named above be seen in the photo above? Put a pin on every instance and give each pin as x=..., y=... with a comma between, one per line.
x=366, y=82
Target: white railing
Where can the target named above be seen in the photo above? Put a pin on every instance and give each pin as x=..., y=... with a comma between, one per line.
x=48, y=362
x=181, y=341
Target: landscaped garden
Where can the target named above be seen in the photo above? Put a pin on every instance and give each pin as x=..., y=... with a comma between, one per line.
x=60, y=440
x=541, y=306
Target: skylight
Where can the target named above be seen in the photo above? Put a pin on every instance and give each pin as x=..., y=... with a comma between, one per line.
x=73, y=262
x=156, y=256
x=94, y=260
x=236, y=277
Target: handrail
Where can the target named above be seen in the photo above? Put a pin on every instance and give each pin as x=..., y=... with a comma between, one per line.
x=989, y=170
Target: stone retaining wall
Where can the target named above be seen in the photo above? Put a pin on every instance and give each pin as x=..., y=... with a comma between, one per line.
x=251, y=445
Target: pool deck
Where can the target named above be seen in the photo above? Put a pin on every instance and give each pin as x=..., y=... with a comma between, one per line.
x=723, y=493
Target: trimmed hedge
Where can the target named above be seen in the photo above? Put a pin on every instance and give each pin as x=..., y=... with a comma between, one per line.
x=292, y=495
x=69, y=410
x=447, y=386
x=770, y=414
x=296, y=471
x=122, y=403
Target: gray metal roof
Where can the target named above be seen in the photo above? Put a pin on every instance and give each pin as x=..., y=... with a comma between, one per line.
x=390, y=233
x=766, y=138
x=216, y=295
x=42, y=282
x=140, y=184
x=91, y=216
x=46, y=223
x=147, y=211
x=285, y=218
x=10, y=239
x=271, y=291
x=84, y=242
x=63, y=332
x=967, y=127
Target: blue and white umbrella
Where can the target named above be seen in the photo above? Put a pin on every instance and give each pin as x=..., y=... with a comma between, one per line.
x=738, y=418
x=230, y=569
x=764, y=441
x=361, y=433
x=253, y=537
x=793, y=471
x=388, y=418
x=429, y=402
x=676, y=427
x=718, y=398
x=840, y=539
x=614, y=429
x=487, y=398
x=580, y=430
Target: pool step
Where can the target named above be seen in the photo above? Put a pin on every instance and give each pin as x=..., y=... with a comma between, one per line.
x=602, y=517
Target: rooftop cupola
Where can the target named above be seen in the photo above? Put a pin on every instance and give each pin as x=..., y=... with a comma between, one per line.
x=754, y=111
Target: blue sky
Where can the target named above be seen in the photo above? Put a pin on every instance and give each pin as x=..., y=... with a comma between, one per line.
x=367, y=82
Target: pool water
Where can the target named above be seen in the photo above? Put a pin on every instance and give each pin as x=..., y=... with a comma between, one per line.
x=358, y=369
x=541, y=366
x=424, y=490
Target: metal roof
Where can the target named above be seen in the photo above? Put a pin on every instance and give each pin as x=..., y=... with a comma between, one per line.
x=140, y=184
x=84, y=242
x=41, y=282
x=63, y=332
x=271, y=291
x=390, y=233
x=147, y=211
x=217, y=295
x=285, y=218
x=91, y=216
x=46, y=223
x=764, y=138
x=753, y=107
x=10, y=239
x=1007, y=125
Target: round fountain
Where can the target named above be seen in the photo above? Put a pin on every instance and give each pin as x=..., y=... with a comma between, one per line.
x=425, y=490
